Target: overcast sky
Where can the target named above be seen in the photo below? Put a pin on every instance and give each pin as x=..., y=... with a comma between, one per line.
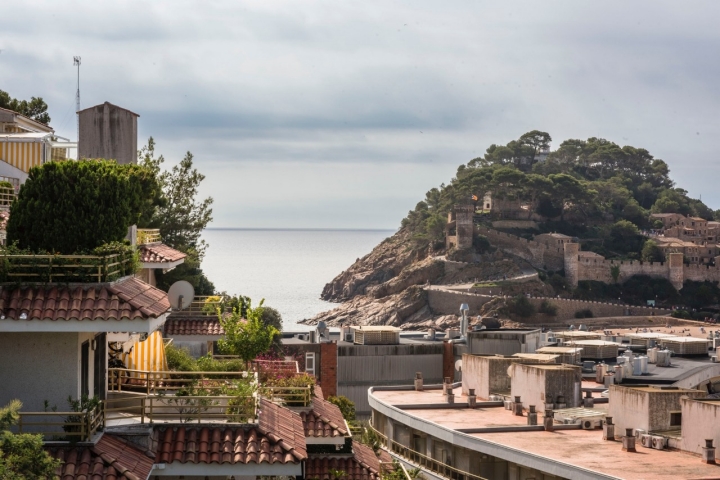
x=343, y=114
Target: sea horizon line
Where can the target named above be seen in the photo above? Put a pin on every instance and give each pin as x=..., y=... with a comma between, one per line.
x=289, y=229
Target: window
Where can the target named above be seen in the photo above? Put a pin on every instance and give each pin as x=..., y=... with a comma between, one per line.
x=675, y=419
x=310, y=363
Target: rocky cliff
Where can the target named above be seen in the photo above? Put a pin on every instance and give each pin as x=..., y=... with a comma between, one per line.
x=388, y=286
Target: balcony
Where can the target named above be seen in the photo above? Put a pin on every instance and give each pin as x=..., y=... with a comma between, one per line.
x=65, y=268
x=148, y=235
x=143, y=397
x=203, y=305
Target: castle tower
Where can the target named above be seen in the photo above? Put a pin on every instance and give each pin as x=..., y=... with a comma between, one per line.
x=676, y=268
x=571, y=252
x=464, y=225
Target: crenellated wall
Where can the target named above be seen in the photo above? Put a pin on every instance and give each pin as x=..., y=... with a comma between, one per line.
x=579, y=266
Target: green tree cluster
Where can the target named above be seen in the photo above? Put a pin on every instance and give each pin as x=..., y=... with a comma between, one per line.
x=73, y=207
x=21, y=455
x=35, y=109
x=246, y=337
x=578, y=186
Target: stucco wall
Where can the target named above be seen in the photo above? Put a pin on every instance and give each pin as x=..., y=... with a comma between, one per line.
x=503, y=342
x=700, y=421
x=647, y=409
x=485, y=374
x=39, y=366
x=537, y=385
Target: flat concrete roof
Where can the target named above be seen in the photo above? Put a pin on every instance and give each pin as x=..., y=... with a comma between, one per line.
x=648, y=335
x=685, y=340
x=658, y=389
x=577, y=333
x=599, y=343
x=559, y=350
x=581, y=448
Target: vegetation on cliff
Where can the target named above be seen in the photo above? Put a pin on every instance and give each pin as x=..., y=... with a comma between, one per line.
x=590, y=188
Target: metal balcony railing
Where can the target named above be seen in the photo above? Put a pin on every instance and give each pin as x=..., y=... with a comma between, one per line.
x=72, y=426
x=65, y=268
x=148, y=235
x=423, y=461
x=203, y=305
x=172, y=382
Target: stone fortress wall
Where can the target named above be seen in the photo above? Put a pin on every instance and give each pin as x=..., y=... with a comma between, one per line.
x=539, y=255
x=582, y=266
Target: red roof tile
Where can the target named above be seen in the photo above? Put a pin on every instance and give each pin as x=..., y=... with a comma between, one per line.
x=128, y=299
x=324, y=420
x=159, y=253
x=232, y=445
x=110, y=459
x=200, y=325
x=363, y=465
x=284, y=425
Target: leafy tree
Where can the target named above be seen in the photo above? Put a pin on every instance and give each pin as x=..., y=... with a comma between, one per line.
x=246, y=338
x=71, y=207
x=537, y=141
x=178, y=214
x=35, y=109
x=22, y=455
x=651, y=252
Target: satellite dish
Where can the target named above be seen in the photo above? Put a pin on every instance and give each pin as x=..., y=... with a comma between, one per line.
x=458, y=365
x=181, y=295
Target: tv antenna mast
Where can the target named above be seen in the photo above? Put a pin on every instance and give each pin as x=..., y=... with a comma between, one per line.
x=76, y=63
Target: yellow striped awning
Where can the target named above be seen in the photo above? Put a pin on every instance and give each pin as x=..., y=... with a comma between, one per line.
x=148, y=355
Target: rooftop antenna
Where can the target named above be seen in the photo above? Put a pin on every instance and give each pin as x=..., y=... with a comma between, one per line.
x=76, y=63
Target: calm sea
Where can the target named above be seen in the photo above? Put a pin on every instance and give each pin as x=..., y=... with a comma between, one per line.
x=288, y=268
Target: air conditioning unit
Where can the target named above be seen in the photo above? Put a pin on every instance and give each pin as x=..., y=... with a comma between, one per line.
x=646, y=440
x=714, y=359
x=638, y=432
x=659, y=443
x=591, y=424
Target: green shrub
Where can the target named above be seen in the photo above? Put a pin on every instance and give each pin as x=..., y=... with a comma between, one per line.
x=180, y=359
x=586, y=313
x=521, y=307
x=346, y=406
x=548, y=308
x=68, y=207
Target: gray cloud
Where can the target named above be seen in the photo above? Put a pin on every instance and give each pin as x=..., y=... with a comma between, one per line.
x=386, y=96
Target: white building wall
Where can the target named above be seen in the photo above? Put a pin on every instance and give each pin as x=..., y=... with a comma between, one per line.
x=39, y=366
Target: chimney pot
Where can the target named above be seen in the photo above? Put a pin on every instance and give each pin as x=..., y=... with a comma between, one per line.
x=709, y=442
x=608, y=421
x=532, y=408
x=471, y=392
x=629, y=432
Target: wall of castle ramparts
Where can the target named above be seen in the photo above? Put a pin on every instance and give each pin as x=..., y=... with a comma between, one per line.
x=567, y=308
x=539, y=255
x=444, y=302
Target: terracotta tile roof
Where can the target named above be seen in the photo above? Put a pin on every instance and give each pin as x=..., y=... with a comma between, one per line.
x=110, y=459
x=363, y=465
x=319, y=392
x=324, y=420
x=283, y=424
x=159, y=253
x=128, y=299
x=231, y=445
x=200, y=325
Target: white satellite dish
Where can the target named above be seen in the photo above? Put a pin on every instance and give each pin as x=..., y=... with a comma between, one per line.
x=181, y=295
x=458, y=365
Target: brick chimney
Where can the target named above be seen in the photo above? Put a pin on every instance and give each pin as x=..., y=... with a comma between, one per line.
x=328, y=368
x=448, y=367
